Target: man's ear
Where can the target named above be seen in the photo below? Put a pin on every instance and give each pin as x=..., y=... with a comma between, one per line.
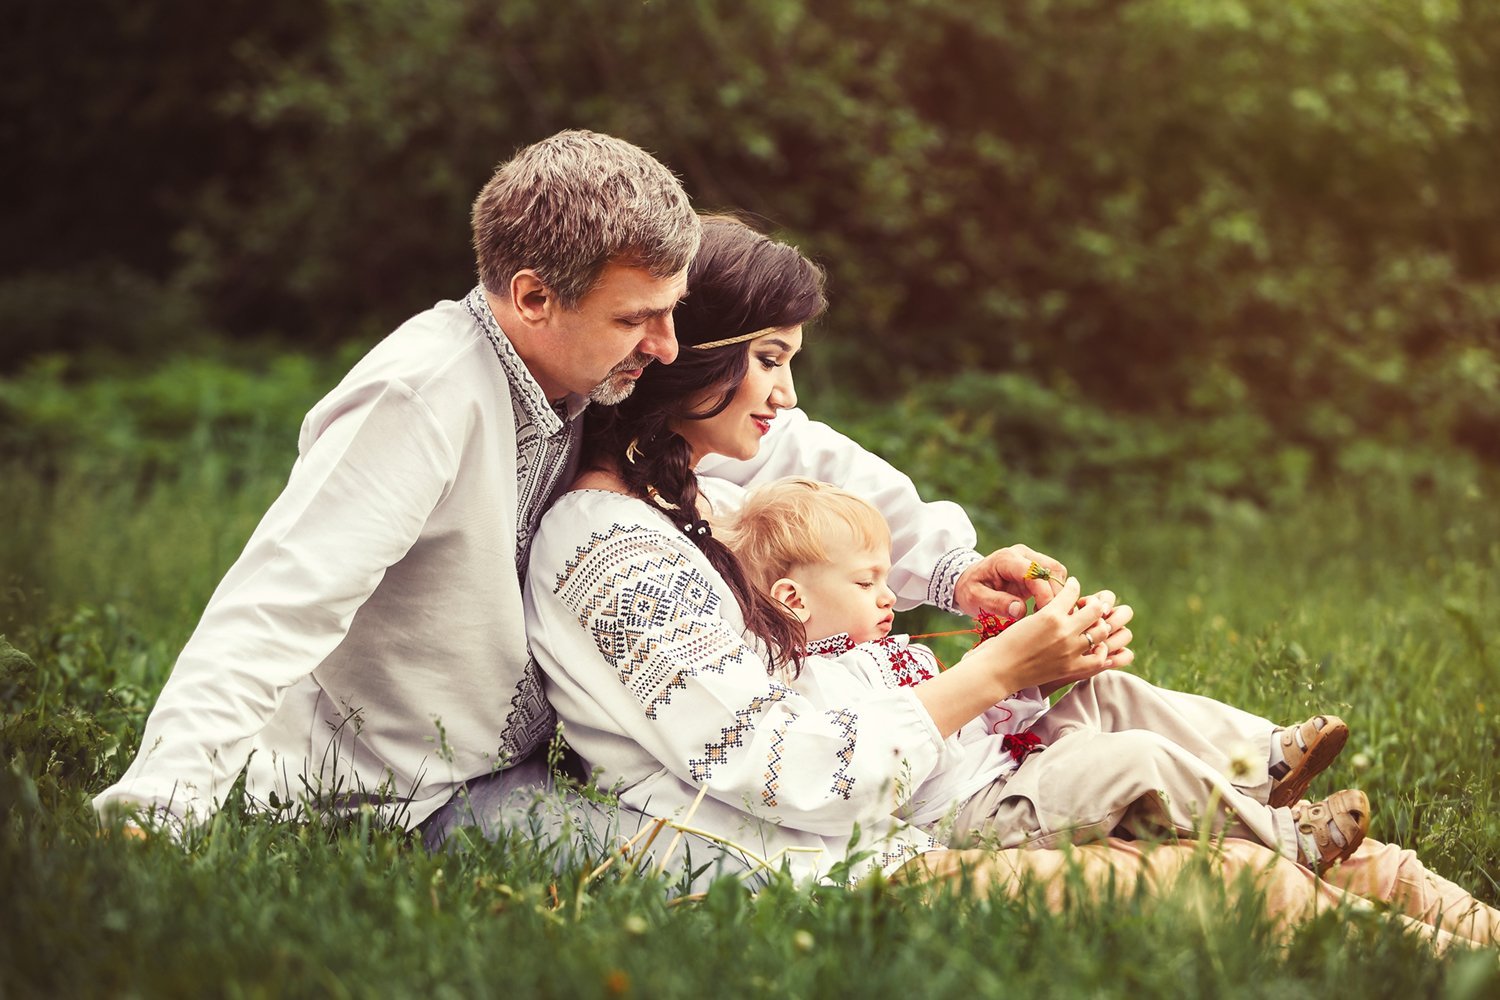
x=531, y=298
x=785, y=590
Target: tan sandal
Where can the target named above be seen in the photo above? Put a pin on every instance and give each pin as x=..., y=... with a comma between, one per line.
x=1306, y=750
x=1345, y=812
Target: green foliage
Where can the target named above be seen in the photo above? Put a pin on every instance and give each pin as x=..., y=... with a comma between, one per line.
x=1206, y=207
x=56, y=413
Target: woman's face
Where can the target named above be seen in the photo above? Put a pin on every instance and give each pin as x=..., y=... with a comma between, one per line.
x=767, y=387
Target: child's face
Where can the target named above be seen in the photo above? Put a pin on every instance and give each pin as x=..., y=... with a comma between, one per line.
x=848, y=593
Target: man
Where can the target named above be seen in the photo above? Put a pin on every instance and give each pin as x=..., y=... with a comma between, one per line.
x=368, y=643
x=367, y=647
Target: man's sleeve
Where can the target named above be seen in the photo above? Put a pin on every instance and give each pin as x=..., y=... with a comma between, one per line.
x=356, y=501
x=932, y=543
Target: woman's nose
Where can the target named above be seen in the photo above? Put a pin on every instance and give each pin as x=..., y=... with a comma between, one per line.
x=784, y=393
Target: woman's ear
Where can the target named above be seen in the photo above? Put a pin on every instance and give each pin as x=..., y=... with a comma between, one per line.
x=785, y=591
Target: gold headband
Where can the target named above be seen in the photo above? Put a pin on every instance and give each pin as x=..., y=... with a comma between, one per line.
x=734, y=340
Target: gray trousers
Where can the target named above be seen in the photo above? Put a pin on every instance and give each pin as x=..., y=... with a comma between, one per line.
x=1125, y=756
x=525, y=800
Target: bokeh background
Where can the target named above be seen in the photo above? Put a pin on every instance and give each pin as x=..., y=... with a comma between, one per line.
x=1269, y=226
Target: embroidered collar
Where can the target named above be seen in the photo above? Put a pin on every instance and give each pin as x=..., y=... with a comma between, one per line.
x=547, y=417
x=833, y=645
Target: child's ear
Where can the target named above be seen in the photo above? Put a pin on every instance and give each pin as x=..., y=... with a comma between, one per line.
x=785, y=591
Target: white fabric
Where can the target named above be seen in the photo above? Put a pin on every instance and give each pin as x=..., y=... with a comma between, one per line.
x=368, y=643
x=975, y=757
x=370, y=637
x=642, y=646
x=931, y=543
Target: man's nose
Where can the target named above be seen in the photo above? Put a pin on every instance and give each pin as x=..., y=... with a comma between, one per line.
x=660, y=341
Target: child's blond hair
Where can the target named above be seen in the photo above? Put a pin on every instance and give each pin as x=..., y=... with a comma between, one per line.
x=786, y=523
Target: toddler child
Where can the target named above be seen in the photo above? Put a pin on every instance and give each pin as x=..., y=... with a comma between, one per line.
x=1115, y=754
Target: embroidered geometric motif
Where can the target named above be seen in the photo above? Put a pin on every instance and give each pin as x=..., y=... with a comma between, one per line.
x=545, y=438
x=906, y=665
x=733, y=737
x=651, y=612
x=773, y=761
x=531, y=721
x=842, y=718
x=833, y=645
x=900, y=852
x=908, y=670
x=940, y=589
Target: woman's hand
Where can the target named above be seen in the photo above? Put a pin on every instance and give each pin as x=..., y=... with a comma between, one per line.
x=1113, y=631
x=1066, y=641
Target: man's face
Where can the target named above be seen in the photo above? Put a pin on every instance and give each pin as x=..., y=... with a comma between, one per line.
x=619, y=328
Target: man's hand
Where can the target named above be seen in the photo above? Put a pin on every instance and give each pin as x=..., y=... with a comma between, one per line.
x=999, y=582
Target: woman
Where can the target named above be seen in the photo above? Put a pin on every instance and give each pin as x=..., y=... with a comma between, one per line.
x=637, y=615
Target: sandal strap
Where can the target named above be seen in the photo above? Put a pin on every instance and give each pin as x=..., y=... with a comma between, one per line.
x=1347, y=811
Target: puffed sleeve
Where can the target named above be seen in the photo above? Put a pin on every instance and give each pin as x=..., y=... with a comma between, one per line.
x=632, y=630
x=932, y=542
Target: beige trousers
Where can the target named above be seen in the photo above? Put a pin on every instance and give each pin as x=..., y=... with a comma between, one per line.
x=1124, y=756
x=1426, y=903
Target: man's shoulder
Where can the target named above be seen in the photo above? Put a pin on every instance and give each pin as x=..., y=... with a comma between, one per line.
x=439, y=354
x=440, y=343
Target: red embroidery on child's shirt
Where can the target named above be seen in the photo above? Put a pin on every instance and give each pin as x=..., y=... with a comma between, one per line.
x=909, y=670
x=832, y=645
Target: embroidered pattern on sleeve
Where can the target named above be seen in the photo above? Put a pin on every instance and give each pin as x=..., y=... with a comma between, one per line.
x=848, y=722
x=945, y=577
x=645, y=604
x=773, y=763
x=733, y=737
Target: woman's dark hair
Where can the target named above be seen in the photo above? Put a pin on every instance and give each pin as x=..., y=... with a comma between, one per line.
x=740, y=282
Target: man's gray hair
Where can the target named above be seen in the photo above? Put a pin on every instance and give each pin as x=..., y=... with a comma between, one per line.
x=567, y=206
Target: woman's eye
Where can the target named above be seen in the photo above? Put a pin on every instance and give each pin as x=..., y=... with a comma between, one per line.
x=768, y=363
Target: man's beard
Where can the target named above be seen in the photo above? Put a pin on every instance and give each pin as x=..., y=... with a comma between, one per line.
x=614, y=387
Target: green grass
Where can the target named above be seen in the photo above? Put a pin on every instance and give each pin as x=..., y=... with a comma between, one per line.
x=1369, y=597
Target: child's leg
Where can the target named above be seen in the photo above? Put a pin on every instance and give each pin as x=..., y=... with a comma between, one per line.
x=1088, y=784
x=1211, y=731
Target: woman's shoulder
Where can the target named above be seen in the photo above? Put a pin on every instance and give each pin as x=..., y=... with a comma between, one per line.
x=584, y=519
x=582, y=503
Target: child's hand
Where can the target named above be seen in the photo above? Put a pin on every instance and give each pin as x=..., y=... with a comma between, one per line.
x=1066, y=641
